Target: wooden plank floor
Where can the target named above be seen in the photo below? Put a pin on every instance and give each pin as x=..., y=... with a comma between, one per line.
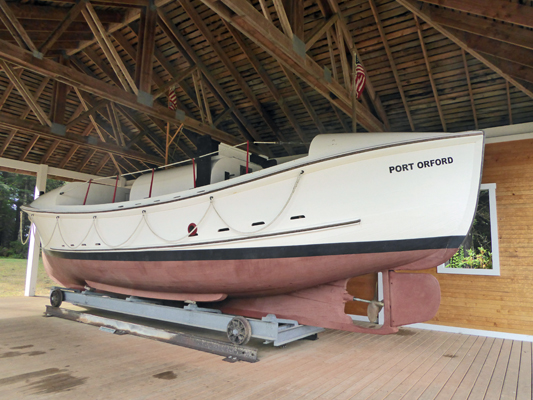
x=45, y=358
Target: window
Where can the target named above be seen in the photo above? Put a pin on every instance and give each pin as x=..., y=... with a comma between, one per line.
x=479, y=254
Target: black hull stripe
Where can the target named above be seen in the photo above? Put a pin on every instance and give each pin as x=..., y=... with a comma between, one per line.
x=331, y=249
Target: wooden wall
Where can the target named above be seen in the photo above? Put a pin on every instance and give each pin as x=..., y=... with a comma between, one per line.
x=505, y=302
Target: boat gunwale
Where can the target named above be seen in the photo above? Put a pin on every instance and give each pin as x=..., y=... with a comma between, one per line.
x=30, y=210
x=229, y=240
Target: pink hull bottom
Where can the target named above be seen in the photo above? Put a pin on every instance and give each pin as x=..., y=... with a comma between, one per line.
x=408, y=298
x=214, y=280
x=311, y=290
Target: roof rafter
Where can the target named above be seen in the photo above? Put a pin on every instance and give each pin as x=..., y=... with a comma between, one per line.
x=26, y=94
x=108, y=48
x=333, y=5
x=502, y=10
x=86, y=83
x=470, y=92
x=497, y=67
x=392, y=62
x=72, y=14
x=505, y=51
x=255, y=26
x=146, y=47
x=234, y=73
x=10, y=122
x=480, y=26
x=267, y=80
x=11, y=22
x=430, y=73
x=192, y=58
x=131, y=16
x=320, y=31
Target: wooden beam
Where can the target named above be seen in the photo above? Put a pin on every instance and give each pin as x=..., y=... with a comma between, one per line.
x=62, y=27
x=181, y=44
x=265, y=10
x=222, y=116
x=85, y=160
x=86, y=83
x=397, y=78
x=305, y=101
x=505, y=51
x=115, y=124
x=283, y=19
x=513, y=70
x=244, y=17
x=10, y=122
x=147, y=44
x=108, y=48
x=144, y=130
x=9, y=89
x=414, y=7
x=195, y=77
x=26, y=94
x=470, y=92
x=180, y=76
x=92, y=118
x=51, y=149
x=345, y=66
x=94, y=57
x=319, y=31
x=8, y=140
x=247, y=91
x=331, y=6
x=39, y=12
x=12, y=23
x=481, y=26
x=84, y=115
x=129, y=17
x=28, y=148
x=430, y=73
x=167, y=66
x=267, y=81
x=502, y=10
x=59, y=98
x=332, y=56
x=24, y=115
x=101, y=164
x=206, y=100
x=295, y=14
x=68, y=156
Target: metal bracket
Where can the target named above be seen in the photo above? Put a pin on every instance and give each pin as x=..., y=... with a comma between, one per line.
x=145, y=98
x=58, y=129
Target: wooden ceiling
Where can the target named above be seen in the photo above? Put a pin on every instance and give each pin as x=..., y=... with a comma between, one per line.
x=84, y=84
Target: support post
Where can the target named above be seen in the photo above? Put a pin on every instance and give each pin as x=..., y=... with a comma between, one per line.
x=34, y=247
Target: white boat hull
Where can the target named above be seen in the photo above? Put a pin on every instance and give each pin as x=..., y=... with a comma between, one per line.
x=401, y=205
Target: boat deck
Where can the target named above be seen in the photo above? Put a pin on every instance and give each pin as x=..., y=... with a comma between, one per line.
x=54, y=358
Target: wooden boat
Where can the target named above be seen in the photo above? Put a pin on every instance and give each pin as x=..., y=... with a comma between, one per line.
x=294, y=232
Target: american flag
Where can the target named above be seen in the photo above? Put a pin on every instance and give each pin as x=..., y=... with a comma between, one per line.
x=360, y=77
x=172, y=100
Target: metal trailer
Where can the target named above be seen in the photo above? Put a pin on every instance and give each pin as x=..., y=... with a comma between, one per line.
x=238, y=329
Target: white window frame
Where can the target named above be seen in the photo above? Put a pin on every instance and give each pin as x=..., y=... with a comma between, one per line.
x=495, y=271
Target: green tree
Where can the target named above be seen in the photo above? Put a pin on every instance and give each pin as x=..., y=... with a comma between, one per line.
x=16, y=190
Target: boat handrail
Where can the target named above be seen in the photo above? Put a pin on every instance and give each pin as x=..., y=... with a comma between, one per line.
x=148, y=169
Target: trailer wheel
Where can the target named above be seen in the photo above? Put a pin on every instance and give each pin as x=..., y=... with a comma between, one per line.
x=239, y=331
x=56, y=297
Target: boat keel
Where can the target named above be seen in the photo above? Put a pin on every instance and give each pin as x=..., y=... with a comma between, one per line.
x=408, y=298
